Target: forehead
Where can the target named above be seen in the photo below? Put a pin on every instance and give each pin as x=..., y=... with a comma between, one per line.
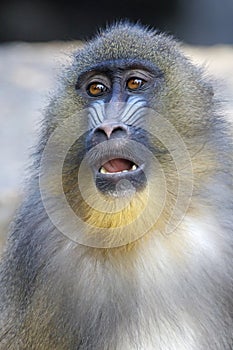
x=123, y=64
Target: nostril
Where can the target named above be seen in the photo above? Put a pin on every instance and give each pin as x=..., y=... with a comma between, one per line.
x=105, y=131
x=111, y=130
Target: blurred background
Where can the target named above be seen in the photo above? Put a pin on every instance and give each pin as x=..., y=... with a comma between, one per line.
x=194, y=21
x=34, y=38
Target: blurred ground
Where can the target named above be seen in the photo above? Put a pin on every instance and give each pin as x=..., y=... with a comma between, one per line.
x=28, y=72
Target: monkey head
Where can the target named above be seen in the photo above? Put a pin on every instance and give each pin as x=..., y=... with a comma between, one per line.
x=121, y=135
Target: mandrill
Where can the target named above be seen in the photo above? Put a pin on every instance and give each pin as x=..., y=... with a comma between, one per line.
x=125, y=238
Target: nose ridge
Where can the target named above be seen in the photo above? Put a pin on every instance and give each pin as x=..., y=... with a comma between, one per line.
x=110, y=127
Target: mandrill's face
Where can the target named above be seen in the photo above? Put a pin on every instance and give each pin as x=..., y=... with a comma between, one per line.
x=112, y=174
x=124, y=167
x=117, y=95
x=119, y=172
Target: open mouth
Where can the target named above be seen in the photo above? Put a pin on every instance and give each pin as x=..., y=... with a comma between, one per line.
x=118, y=165
x=111, y=172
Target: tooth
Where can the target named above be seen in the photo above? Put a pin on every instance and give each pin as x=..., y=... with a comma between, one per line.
x=103, y=170
x=134, y=167
x=124, y=171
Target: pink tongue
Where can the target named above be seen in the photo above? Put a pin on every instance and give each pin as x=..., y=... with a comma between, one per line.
x=118, y=164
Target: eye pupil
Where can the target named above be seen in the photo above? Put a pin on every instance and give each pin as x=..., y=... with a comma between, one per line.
x=134, y=83
x=96, y=89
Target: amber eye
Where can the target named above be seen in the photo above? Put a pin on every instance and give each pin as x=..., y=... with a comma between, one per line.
x=135, y=83
x=96, y=89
